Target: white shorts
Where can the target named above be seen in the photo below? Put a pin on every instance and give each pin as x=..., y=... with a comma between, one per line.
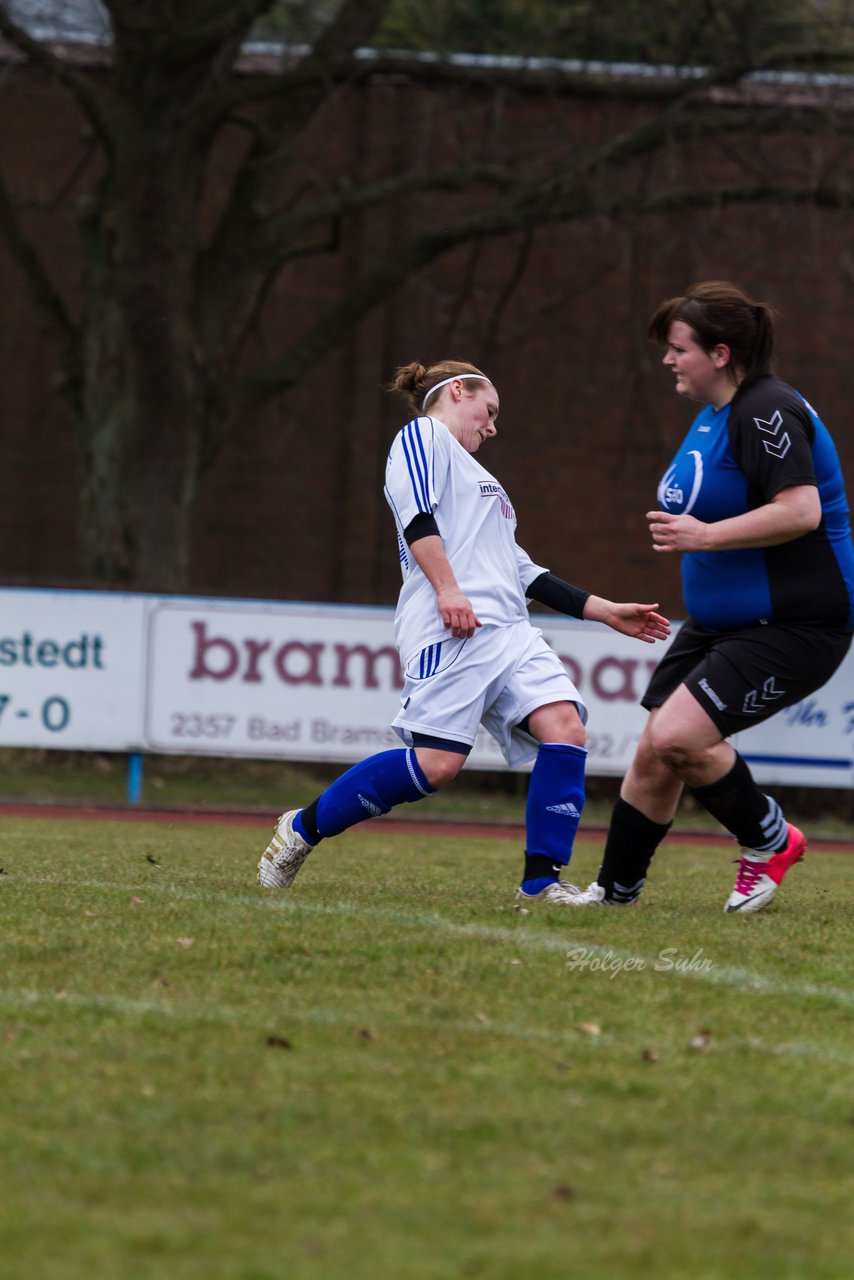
x=496, y=678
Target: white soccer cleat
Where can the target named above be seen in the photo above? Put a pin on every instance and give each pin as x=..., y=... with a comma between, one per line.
x=559, y=893
x=284, y=855
x=592, y=896
x=760, y=874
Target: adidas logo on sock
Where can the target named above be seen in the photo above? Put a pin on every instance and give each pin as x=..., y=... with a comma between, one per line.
x=567, y=810
x=373, y=809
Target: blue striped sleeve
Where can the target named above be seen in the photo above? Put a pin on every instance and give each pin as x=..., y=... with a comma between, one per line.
x=416, y=462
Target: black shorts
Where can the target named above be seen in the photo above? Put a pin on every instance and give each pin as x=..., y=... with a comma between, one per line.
x=741, y=678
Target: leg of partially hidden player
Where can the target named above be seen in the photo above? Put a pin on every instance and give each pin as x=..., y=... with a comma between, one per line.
x=680, y=745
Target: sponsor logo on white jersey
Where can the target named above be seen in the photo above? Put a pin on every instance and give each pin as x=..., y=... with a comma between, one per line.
x=489, y=489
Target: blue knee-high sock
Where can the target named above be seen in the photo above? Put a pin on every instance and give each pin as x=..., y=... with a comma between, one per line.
x=552, y=813
x=371, y=787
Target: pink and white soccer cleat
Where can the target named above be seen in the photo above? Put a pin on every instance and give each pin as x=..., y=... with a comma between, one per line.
x=760, y=874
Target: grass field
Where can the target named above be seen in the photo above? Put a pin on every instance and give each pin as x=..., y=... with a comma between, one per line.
x=391, y=1072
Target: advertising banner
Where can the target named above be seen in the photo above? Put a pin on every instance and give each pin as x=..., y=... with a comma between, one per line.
x=71, y=665
x=313, y=682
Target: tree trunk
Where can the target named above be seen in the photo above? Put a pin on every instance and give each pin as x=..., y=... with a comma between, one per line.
x=142, y=409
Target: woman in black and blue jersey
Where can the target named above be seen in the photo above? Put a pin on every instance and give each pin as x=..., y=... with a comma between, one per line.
x=755, y=502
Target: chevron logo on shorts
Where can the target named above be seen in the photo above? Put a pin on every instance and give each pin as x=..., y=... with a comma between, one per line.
x=757, y=700
x=565, y=810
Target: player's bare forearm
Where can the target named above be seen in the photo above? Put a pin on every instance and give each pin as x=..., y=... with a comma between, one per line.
x=455, y=607
x=641, y=621
x=791, y=514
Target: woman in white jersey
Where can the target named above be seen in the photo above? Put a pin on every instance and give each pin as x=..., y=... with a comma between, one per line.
x=469, y=653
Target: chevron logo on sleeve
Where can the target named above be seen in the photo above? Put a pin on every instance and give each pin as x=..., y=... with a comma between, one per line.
x=780, y=445
x=758, y=699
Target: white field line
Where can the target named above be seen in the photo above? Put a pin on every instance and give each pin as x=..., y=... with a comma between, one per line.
x=520, y=937
x=18, y=1002
x=193, y=1011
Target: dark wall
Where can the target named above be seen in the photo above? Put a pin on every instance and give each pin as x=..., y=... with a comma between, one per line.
x=293, y=509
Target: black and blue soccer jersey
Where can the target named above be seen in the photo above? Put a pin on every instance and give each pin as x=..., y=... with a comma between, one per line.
x=736, y=459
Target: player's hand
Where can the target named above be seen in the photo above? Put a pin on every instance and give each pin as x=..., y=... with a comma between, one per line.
x=638, y=620
x=676, y=533
x=457, y=614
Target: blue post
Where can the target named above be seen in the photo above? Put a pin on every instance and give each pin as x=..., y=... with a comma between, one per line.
x=134, y=777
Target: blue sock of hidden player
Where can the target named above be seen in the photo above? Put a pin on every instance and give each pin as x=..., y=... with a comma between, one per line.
x=552, y=813
x=370, y=788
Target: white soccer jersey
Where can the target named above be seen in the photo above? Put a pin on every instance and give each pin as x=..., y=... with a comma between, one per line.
x=429, y=471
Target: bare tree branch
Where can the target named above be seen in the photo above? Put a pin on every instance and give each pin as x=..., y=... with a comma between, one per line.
x=194, y=31
x=347, y=198
x=331, y=62
x=242, y=223
x=354, y=22
x=510, y=285
x=49, y=301
x=279, y=239
x=62, y=71
x=279, y=375
x=198, y=45
x=528, y=202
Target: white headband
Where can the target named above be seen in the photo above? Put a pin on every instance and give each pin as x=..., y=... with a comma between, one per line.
x=453, y=378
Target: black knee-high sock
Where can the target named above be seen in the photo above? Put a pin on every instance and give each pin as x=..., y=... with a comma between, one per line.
x=632, y=840
x=308, y=820
x=754, y=820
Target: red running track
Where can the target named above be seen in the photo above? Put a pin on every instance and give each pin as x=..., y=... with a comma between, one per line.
x=254, y=818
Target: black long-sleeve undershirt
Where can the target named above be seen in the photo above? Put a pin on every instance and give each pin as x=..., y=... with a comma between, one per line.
x=557, y=594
